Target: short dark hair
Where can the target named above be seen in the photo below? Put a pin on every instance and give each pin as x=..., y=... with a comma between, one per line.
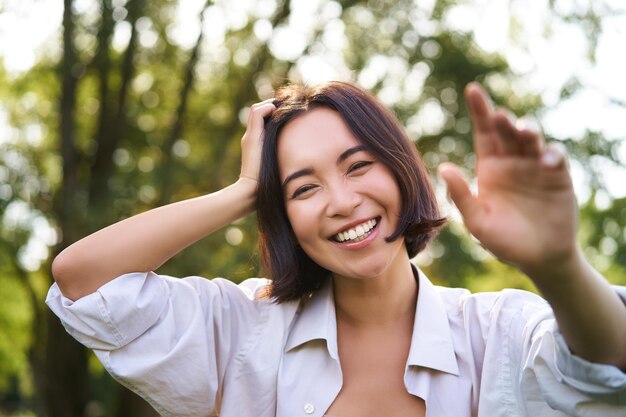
x=291, y=270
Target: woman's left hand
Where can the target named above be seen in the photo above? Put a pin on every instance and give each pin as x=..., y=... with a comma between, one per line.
x=524, y=210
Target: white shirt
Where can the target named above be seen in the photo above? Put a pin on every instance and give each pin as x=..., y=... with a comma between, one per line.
x=198, y=347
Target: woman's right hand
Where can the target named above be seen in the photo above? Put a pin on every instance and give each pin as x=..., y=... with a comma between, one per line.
x=252, y=141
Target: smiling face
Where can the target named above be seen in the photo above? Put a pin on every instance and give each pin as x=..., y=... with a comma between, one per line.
x=340, y=200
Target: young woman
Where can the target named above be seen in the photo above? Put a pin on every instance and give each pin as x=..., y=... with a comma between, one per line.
x=347, y=326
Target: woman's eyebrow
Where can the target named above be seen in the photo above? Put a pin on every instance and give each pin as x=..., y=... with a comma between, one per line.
x=297, y=174
x=308, y=171
x=350, y=151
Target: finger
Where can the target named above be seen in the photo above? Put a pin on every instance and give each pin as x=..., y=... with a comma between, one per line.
x=508, y=134
x=461, y=195
x=264, y=102
x=554, y=156
x=256, y=107
x=531, y=138
x=252, y=141
x=485, y=135
x=257, y=114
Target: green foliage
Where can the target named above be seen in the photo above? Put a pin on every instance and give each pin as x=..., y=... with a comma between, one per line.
x=497, y=276
x=604, y=232
x=167, y=127
x=15, y=323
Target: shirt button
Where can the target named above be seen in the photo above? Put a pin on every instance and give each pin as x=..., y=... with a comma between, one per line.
x=309, y=408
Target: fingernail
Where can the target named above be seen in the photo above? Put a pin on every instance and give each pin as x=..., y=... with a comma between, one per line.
x=528, y=123
x=551, y=158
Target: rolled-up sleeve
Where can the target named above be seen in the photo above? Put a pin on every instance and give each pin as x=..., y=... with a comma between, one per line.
x=115, y=314
x=549, y=373
x=170, y=340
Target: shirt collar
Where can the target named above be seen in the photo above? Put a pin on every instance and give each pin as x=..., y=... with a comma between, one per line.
x=316, y=320
x=431, y=344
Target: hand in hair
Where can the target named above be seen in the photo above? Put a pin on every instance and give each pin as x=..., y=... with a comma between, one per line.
x=145, y=241
x=252, y=141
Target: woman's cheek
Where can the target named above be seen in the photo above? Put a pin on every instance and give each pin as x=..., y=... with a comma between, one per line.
x=303, y=216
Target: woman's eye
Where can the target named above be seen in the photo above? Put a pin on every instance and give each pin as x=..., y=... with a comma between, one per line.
x=302, y=190
x=358, y=165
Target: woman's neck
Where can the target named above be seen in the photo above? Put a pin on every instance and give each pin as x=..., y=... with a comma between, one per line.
x=377, y=301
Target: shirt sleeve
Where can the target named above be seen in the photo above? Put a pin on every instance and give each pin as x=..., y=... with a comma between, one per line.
x=547, y=372
x=169, y=340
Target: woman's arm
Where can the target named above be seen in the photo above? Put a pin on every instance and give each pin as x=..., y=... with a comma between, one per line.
x=146, y=241
x=525, y=213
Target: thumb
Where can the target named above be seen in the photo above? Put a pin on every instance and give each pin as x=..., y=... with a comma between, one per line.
x=460, y=193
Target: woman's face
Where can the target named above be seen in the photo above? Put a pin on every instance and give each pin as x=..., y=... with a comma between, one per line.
x=341, y=202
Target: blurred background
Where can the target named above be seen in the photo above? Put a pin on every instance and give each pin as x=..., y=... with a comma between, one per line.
x=112, y=107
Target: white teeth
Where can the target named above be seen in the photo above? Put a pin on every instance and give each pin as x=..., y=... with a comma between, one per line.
x=357, y=233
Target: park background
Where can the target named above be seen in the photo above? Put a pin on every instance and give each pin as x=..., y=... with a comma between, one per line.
x=112, y=107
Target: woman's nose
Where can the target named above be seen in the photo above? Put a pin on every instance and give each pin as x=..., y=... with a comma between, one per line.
x=342, y=199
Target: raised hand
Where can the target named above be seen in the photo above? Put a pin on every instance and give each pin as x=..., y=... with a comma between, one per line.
x=525, y=213
x=524, y=210
x=252, y=141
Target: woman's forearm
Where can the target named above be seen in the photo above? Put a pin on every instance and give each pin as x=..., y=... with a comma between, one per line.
x=590, y=314
x=146, y=241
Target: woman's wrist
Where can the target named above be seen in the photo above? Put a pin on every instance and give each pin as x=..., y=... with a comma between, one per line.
x=248, y=177
x=558, y=268
x=247, y=186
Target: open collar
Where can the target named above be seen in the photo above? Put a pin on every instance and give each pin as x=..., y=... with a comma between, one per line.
x=316, y=320
x=431, y=342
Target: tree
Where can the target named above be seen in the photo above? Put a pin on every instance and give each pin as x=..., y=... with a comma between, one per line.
x=121, y=127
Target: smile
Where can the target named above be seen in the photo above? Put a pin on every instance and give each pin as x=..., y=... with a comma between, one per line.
x=356, y=233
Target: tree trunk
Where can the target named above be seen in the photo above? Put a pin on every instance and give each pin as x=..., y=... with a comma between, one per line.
x=62, y=372
x=109, y=136
x=102, y=64
x=66, y=373
x=132, y=405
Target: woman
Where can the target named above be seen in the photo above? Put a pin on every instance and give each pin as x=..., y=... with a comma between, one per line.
x=347, y=327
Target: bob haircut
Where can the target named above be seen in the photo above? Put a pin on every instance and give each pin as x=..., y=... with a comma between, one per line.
x=293, y=274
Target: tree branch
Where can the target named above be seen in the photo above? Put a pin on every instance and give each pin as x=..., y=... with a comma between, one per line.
x=176, y=129
x=103, y=164
x=245, y=94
